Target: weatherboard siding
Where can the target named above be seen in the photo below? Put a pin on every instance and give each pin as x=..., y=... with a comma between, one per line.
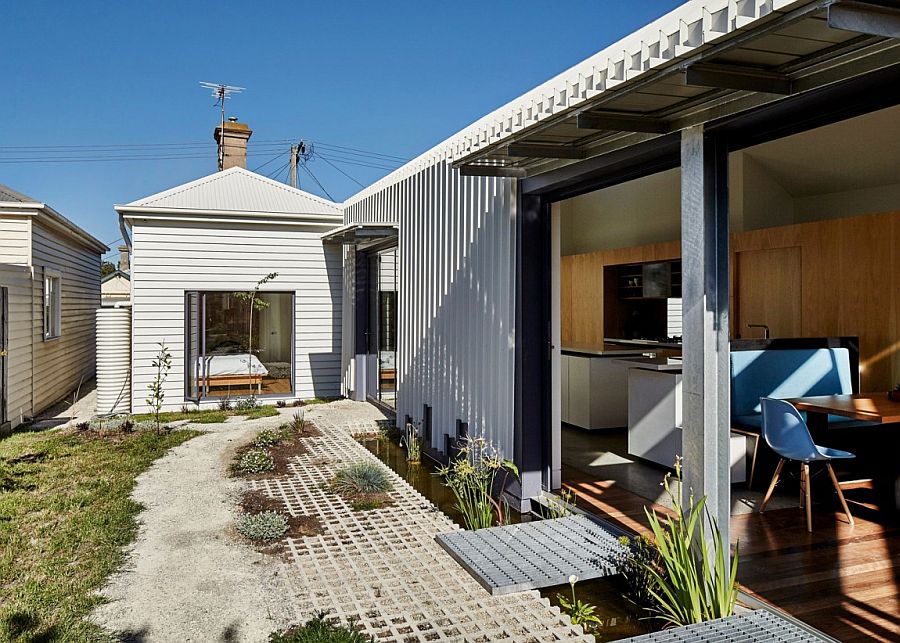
x=456, y=309
x=172, y=257
x=64, y=363
x=15, y=276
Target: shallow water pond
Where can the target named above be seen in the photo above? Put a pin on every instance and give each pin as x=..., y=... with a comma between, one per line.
x=618, y=617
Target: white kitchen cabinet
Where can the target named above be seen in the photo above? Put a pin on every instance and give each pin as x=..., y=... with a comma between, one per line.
x=593, y=390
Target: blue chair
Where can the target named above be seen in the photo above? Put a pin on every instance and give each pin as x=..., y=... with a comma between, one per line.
x=785, y=431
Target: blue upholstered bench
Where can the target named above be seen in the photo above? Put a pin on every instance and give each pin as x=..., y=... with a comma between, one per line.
x=783, y=374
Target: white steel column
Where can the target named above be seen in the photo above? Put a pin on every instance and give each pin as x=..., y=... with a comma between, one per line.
x=704, y=258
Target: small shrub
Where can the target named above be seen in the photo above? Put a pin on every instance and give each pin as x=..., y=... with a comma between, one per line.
x=267, y=438
x=580, y=612
x=256, y=461
x=267, y=525
x=246, y=404
x=318, y=630
x=281, y=404
x=127, y=426
x=361, y=478
x=83, y=426
x=225, y=404
x=297, y=403
x=298, y=421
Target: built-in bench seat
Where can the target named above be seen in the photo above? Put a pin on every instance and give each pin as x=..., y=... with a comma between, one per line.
x=785, y=374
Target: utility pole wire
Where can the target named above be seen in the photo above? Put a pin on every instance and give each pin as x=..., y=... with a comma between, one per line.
x=324, y=158
x=259, y=167
x=305, y=167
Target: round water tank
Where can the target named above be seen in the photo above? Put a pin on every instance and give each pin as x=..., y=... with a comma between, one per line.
x=113, y=360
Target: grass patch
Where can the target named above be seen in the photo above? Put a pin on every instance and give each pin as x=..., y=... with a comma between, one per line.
x=65, y=514
x=320, y=630
x=207, y=416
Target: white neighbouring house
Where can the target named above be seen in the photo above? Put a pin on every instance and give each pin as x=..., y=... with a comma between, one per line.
x=49, y=292
x=196, y=245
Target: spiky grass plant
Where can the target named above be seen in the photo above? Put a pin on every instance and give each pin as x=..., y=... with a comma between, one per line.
x=361, y=478
x=413, y=444
x=471, y=477
x=266, y=525
x=298, y=420
x=696, y=585
x=560, y=505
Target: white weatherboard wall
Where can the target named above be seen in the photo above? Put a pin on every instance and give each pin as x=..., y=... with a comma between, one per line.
x=171, y=257
x=62, y=364
x=456, y=296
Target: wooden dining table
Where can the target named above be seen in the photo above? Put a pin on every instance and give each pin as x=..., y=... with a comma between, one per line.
x=869, y=407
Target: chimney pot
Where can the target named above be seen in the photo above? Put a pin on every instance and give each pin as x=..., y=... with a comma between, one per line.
x=233, y=144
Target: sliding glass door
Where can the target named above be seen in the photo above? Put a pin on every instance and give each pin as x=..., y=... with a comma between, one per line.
x=4, y=314
x=382, y=333
x=236, y=348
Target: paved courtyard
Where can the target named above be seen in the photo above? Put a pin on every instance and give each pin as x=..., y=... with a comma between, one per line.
x=382, y=568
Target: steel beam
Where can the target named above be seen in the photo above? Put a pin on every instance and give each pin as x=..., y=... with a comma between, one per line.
x=737, y=77
x=492, y=170
x=865, y=17
x=705, y=352
x=544, y=151
x=618, y=122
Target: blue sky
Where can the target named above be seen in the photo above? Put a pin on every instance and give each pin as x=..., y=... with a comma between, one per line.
x=392, y=78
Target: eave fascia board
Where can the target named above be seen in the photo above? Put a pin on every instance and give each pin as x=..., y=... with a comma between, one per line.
x=865, y=17
x=214, y=219
x=131, y=211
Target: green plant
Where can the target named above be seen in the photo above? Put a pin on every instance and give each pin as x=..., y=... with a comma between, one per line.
x=471, y=477
x=580, y=612
x=639, y=555
x=412, y=442
x=247, y=404
x=254, y=303
x=559, y=506
x=692, y=588
x=256, y=461
x=281, y=404
x=366, y=503
x=267, y=525
x=298, y=421
x=163, y=364
x=361, y=478
x=318, y=630
x=267, y=438
x=225, y=404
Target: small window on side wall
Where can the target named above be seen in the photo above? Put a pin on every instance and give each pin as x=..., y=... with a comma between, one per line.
x=52, y=304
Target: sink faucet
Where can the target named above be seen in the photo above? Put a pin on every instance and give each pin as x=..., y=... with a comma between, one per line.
x=765, y=328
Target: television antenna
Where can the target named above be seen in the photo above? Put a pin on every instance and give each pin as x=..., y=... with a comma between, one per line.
x=221, y=92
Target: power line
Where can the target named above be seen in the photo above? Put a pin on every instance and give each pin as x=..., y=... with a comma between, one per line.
x=341, y=171
x=258, y=168
x=319, y=183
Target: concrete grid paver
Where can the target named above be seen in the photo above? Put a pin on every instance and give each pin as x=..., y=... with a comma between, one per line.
x=383, y=568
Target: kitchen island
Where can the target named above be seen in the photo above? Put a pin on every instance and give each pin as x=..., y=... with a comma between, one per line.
x=655, y=412
x=594, y=387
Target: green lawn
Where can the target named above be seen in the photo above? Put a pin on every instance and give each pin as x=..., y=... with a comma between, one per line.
x=208, y=416
x=65, y=515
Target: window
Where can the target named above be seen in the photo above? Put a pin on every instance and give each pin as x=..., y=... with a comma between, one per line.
x=236, y=350
x=52, y=304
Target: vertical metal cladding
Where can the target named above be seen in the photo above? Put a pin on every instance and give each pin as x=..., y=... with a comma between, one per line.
x=456, y=298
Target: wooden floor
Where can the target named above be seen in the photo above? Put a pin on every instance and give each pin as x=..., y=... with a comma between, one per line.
x=840, y=579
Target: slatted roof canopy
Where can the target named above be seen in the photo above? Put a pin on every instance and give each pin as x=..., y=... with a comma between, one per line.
x=703, y=61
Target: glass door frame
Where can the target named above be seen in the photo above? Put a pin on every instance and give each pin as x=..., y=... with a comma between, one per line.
x=4, y=350
x=369, y=314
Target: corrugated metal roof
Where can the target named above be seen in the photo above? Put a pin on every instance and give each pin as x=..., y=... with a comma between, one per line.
x=238, y=190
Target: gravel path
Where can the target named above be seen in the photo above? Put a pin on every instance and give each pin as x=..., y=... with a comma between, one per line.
x=187, y=579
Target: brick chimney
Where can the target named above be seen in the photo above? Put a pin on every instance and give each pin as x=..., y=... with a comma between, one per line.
x=234, y=142
x=124, y=263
